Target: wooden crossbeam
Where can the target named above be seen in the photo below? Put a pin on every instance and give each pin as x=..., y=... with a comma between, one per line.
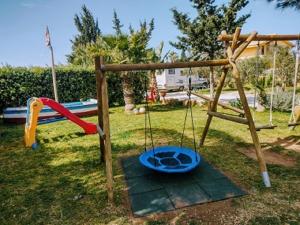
x=228, y=117
x=214, y=104
x=270, y=37
x=224, y=105
x=157, y=66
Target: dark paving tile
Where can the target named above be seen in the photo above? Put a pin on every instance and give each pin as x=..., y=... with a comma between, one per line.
x=186, y=194
x=221, y=189
x=206, y=173
x=150, y=202
x=129, y=160
x=170, y=179
x=133, y=168
x=143, y=184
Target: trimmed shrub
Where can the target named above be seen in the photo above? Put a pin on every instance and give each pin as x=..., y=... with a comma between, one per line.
x=282, y=101
x=17, y=84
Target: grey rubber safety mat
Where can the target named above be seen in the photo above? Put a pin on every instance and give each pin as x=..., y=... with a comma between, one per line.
x=153, y=192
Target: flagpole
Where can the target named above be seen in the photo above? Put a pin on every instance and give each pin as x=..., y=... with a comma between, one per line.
x=53, y=75
x=48, y=44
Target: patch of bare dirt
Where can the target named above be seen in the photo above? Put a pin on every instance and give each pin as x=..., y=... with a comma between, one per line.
x=208, y=213
x=290, y=143
x=270, y=157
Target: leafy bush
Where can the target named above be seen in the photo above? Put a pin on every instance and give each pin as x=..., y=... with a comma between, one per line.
x=17, y=84
x=236, y=103
x=282, y=101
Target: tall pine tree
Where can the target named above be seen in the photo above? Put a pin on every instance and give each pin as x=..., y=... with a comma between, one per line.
x=88, y=30
x=283, y=4
x=199, y=35
x=117, y=26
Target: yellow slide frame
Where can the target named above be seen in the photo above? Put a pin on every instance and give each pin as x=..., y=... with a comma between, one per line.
x=35, y=106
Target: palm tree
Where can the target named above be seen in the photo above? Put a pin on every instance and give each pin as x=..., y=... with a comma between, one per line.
x=131, y=48
x=119, y=48
x=155, y=56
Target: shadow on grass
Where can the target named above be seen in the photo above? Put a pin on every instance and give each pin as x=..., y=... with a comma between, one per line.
x=163, y=136
x=67, y=185
x=61, y=137
x=165, y=108
x=57, y=185
x=10, y=133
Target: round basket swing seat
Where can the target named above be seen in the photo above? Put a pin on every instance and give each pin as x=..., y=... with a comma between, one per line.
x=170, y=159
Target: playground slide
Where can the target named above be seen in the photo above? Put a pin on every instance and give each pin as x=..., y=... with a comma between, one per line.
x=35, y=105
x=89, y=128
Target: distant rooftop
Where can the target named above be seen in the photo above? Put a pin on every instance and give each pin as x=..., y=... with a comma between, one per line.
x=255, y=43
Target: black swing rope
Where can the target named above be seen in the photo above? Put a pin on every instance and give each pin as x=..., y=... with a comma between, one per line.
x=189, y=106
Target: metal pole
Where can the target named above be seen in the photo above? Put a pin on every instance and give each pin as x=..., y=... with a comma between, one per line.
x=53, y=75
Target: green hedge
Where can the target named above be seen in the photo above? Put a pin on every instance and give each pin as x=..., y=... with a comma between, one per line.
x=17, y=84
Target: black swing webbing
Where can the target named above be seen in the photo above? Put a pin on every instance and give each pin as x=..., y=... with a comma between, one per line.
x=148, y=119
x=147, y=115
x=189, y=106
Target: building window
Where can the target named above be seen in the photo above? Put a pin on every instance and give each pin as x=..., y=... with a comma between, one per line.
x=171, y=71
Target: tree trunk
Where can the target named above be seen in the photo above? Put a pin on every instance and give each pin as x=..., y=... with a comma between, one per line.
x=127, y=92
x=211, y=81
x=153, y=84
x=283, y=86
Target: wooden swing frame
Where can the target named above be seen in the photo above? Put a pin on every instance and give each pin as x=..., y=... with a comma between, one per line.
x=235, y=45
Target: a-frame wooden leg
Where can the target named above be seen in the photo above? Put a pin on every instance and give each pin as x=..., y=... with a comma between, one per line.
x=214, y=105
x=233, y=54
x=248, y=115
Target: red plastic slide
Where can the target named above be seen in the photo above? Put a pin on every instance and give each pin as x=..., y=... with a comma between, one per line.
x=89, y=128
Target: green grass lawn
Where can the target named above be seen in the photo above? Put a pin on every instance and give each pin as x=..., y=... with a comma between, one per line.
x=62, y=182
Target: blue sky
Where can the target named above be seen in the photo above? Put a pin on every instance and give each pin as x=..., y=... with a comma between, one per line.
x=23, y=22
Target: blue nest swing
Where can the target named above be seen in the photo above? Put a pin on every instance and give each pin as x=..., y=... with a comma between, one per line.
x=170, y=159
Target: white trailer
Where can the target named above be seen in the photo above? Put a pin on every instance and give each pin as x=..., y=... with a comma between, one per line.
x=174, y=79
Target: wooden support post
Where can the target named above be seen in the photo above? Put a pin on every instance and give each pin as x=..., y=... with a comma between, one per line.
x=106, y=129
x=99, y=104
x=243, y=46
x=235, y=38
x=214, y=105
x=232, y=57
x=259, y=154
